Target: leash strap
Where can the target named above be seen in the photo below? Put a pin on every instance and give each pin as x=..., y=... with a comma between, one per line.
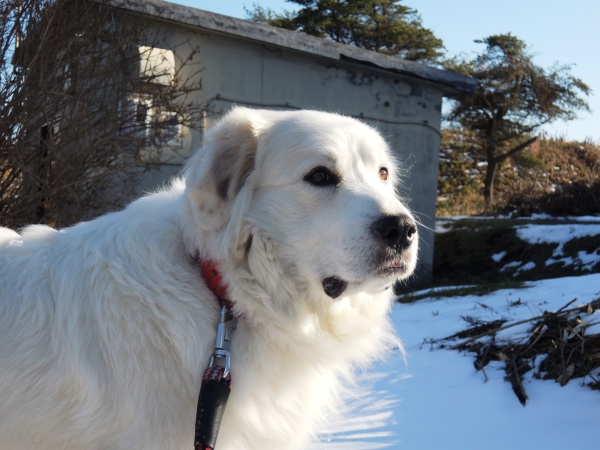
x=214, y=394
x=216, y=383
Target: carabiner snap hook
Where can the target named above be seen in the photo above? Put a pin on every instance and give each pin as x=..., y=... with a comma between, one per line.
x=221, y=356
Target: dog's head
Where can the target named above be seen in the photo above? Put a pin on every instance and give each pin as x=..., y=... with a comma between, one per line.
x=307, y=194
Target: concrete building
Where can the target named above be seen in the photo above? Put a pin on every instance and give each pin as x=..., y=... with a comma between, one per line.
x=246, y=63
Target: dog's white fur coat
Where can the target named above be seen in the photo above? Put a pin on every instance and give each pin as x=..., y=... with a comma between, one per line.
x=106, y=327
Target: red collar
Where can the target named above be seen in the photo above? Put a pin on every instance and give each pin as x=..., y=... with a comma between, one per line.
x=213, y=279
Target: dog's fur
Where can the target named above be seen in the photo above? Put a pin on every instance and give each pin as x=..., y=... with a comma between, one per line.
x=106, y=327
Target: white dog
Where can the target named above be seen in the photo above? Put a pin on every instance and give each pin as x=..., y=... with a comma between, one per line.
x=107, y=327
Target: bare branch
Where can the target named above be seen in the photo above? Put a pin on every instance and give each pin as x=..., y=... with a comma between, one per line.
x=80, y=100
x=516, y=149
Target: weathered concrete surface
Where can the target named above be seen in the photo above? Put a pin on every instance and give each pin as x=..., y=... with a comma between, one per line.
x=257, y=65
x=297, y=41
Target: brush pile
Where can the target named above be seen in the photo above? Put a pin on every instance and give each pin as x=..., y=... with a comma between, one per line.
x=560, y=346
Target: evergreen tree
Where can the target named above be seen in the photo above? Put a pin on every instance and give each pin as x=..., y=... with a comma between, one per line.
x=384, y=26
x=514, y=98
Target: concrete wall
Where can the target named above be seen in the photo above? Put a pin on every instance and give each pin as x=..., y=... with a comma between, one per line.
x=406, y=110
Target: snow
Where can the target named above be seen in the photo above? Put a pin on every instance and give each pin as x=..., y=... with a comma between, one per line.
x=556, y=234
x=584, y=260
x=434, y=399
x=511, y=265
x=527, y=266
x=498, y=256
x=561, y=234
x=521, y=267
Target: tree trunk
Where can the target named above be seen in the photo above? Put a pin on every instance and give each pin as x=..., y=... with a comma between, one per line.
x=494, y=161
x=488, y=190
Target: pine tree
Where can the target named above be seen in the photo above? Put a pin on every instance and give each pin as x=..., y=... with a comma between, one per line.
x=384, y=26
x=514, y=98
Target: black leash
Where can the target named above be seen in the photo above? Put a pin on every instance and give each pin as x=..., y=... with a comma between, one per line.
x=216, y=383
x=215, y=389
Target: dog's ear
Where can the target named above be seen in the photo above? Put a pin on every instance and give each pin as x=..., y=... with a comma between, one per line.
x=216, y=174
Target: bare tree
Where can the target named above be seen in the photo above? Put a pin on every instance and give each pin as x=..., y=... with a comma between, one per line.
x=90, y=97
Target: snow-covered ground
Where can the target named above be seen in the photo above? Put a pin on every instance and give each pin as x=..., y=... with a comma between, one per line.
x=436, y=400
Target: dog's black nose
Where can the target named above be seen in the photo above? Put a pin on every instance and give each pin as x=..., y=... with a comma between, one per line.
x=396, y=232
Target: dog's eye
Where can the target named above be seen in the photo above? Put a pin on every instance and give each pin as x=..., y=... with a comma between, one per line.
x=322, y=176
x=383, y=173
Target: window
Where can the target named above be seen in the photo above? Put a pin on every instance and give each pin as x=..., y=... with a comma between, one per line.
x=157, y=65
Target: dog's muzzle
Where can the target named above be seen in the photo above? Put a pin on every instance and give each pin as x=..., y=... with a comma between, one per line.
x=395, y=232
x=395, y=235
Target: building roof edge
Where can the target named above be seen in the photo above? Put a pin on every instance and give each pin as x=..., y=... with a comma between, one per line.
x=450, y=82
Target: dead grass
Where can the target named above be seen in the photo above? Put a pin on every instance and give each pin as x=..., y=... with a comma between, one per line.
x=553, y=176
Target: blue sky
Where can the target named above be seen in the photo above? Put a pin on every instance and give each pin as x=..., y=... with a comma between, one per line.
x=555, y=31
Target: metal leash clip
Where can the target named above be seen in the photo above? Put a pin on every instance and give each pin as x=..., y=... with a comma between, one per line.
x=221, y=356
